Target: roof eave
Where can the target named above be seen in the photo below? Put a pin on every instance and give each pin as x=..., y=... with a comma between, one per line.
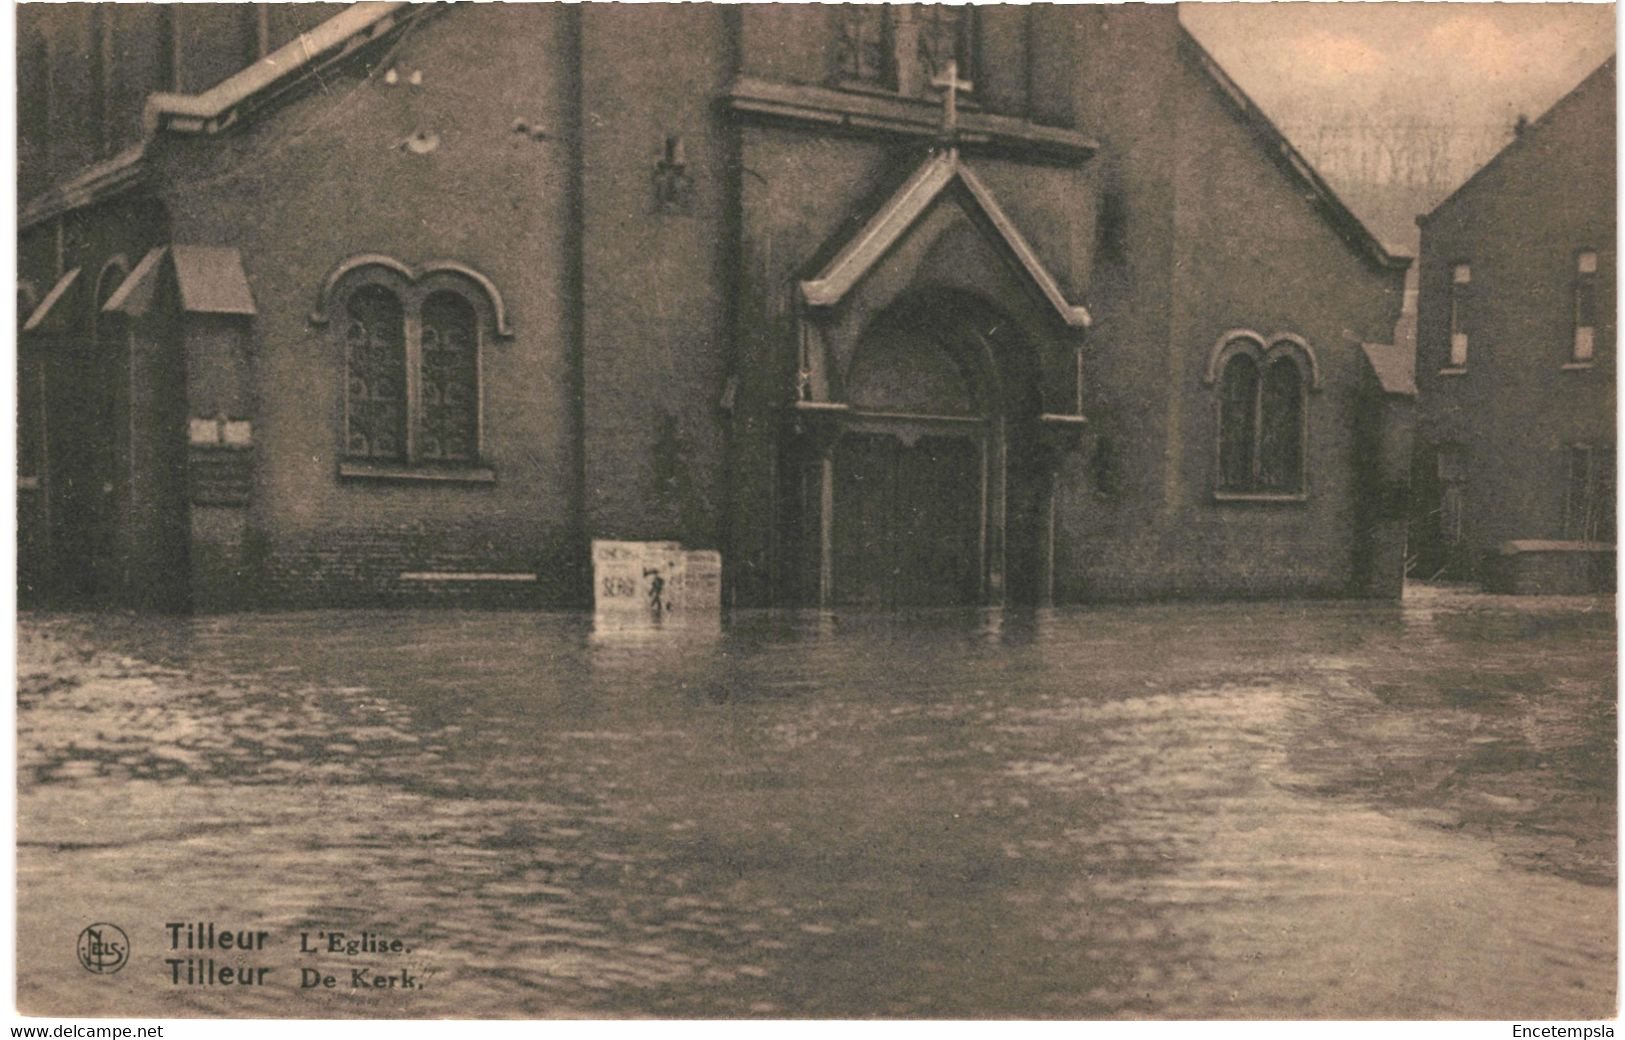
x=1349, y=227
x=219, y=107
x=1516, y=144
x=215, y=109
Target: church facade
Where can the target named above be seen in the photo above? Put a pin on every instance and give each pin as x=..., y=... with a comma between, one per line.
x=890, y=304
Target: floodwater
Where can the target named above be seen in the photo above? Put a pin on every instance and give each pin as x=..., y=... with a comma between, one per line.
x=1173, y=811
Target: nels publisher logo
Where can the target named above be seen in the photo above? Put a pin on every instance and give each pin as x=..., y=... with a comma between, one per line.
x=103, y=948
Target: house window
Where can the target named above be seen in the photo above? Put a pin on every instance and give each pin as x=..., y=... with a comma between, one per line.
x=1588, y=499
x=1585, y=306
x=412, y=363
x=1261, y=419
x=902, y=47
x=1451, y=461
x=1461, y=276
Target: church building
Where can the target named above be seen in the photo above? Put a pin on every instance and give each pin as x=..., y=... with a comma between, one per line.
x=890, y=304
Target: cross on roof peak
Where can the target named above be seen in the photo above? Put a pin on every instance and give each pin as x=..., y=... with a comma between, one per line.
x=950, y=84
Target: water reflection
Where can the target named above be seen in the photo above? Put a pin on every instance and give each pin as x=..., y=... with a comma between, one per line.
x=1158, y=810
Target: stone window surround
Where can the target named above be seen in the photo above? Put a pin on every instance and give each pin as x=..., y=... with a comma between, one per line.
x=1263, y=350
x=412, y=286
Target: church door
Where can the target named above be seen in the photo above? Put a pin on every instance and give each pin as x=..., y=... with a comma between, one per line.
x=907, y=491
x=908, y=519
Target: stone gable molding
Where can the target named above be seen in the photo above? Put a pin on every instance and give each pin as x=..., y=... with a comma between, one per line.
x=940, y=171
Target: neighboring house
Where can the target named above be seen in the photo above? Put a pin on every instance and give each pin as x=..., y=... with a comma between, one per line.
x=890, y=304
x=1514, y=474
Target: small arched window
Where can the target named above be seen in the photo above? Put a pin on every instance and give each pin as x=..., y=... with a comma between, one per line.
x=448, y=422
x=1280, y=434
x=1262, y=416
x=375, y=361
x=1238, y=423
x=412, y=343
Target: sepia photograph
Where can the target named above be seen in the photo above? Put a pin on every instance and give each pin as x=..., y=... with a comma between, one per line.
x=791, y=511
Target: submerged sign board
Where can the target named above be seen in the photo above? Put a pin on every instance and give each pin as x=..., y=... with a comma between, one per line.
x=702, y=581
x=655, y=580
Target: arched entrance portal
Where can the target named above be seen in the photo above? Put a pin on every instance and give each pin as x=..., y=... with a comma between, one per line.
x=930, y=500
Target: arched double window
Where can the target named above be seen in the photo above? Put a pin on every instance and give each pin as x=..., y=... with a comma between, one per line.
x=412, y=344
x=1263, y=418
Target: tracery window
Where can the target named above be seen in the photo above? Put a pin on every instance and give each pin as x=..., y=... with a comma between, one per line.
x=864, y=46
x=1238, y=417
x=375, y=355
x=1262, y=416
x=412, y=347
x=902, y=46
x=448, y=419
x=943, y=34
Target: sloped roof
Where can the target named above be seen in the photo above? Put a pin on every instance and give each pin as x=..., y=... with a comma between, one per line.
x=220, y=106
x=940, y=171
x=1342, y=219
x=134, y=295
x=214, y=109
x=1394, y=368
x=1530, y=132
x=42, y=313
x=209, y=279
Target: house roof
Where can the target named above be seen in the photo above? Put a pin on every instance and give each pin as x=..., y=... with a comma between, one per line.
x=134, y=295
x=1342, y=219
x=1530, y=132
x=208, y=279
x=1394, y=367
x=42, y=313
x=211, y=280
x=215, y=108
x=941, y=171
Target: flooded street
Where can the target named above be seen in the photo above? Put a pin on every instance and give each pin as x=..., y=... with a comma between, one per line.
x=1208, y=811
